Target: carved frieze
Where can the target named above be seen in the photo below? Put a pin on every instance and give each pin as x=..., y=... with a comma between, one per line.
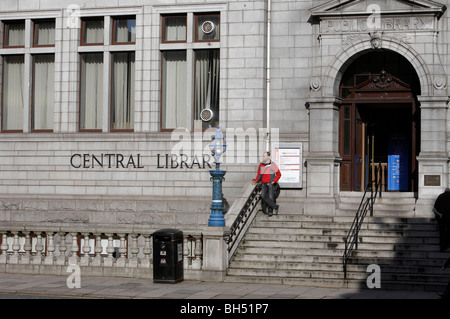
x=398, y=24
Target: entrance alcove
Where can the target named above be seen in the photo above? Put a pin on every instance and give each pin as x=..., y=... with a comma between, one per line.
x=379, y=121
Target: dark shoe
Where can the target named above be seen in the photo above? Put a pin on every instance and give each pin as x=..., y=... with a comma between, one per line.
x=276, y=209
x=270, y=214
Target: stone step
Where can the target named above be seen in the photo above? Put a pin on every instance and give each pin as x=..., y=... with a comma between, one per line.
x=435, y=263
x=291, y=251
x=363, y=245
x=297, y=231
x=386, y=269
x=312, y=282
x=301, y=249
x=335, y=283
x=346, y=219
x=438, y=282
x=291, y=245
x=427, y=238
x=409, y=196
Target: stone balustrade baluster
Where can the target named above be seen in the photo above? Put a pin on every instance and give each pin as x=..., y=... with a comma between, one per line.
x=146, y=260
x=186, y=253
x=197, y=263
x=49, y=259
x=27, y=247
x=97, y=260
x=109, y=260
x=121, y=261
x=14, y=258
x=61, y=259
x=37, y=258
x=73, y=259
x=3, y=249
x=84, y=260
x=134, y=249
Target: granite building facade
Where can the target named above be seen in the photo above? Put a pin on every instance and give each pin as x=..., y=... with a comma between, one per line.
x=102, y=103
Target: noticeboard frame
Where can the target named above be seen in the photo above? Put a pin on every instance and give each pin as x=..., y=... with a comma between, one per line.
x=294, y=154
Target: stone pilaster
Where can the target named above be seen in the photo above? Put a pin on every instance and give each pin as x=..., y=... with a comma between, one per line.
x=433, y=158
x=323, y=157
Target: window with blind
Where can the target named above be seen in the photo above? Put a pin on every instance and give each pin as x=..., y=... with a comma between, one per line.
x=13, y=93
x=124, y=30
x=14, y=34
x=44, y=33
x=122, y=91
x=91, y=91
x=92, y=31
x=190, y=74
x=43, y=92
x=173, y=94
x=174, y=28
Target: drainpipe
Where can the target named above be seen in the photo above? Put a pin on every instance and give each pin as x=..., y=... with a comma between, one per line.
x=269, y=11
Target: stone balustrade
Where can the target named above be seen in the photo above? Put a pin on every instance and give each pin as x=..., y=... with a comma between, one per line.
x=97, y=253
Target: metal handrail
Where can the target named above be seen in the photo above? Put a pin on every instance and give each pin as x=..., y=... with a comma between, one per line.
x=243, y=219
x=366, y=204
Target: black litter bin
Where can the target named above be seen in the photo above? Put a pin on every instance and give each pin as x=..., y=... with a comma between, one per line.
x=168, y=256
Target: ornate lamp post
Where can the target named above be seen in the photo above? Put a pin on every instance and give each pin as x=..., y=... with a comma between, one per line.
x=218, y=146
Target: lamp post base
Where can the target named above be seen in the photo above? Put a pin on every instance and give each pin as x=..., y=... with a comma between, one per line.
x=216, y=219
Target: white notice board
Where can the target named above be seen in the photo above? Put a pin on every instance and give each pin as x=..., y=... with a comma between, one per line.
x=289, y=158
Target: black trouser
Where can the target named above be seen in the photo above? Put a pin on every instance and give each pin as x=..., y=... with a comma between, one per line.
x=268, y=197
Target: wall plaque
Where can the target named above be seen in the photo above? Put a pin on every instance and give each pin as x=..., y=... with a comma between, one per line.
x=432, y=180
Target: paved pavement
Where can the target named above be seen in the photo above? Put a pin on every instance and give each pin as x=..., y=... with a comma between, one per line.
x=196, y=299
x=33, y=286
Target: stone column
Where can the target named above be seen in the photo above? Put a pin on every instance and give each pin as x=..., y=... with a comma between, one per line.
x=433, y=158
x=215, y=253
x=323, y=158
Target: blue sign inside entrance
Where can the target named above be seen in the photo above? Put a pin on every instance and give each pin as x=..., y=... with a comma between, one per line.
x=398, y=163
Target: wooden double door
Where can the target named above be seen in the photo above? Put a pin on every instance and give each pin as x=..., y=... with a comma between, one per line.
x=378, y=123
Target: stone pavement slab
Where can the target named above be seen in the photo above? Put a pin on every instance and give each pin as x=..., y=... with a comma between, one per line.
x=134, y=288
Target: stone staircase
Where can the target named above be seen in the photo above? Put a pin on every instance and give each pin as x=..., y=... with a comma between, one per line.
x=298, y=249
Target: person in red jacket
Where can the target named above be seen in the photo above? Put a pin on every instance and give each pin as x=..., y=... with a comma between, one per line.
x=268, y=175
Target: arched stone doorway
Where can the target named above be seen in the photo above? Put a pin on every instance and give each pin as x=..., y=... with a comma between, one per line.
x=335, y=51
x=379, y=122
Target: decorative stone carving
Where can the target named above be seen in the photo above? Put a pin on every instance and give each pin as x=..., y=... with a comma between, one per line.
x=350, y=39
x=404, y=37
x=440, y=82
x=375, y=39
x=315, y=84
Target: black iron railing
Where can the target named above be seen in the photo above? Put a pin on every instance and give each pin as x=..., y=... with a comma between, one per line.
x=243, y=220
x=373, y=188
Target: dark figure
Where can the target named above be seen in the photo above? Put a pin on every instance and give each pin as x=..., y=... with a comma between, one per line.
x=268, y=175
x=442, y=214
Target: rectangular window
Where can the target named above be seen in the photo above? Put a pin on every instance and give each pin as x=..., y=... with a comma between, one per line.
x=173, y=89
x=91, y=91
x=122, y=91
x=124, y=30
x=43, y=92
x=92, y=31
x=12, y=93
x=14, y=34
x=44, y=33
x=207, y=66
x=207, y=27
x=174, y=28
